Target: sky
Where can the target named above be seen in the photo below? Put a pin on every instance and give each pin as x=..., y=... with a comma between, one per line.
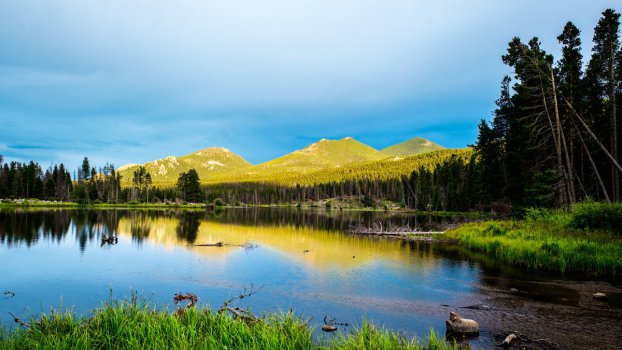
x=129, y=81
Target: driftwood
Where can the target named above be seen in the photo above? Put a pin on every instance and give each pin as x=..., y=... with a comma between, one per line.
x=244, y=315
x=221, y=244
x=378, y=229
x=217, y=244
x=458, y=325
x=8, y=294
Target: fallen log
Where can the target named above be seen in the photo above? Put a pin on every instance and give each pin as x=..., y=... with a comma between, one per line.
x=217, y=244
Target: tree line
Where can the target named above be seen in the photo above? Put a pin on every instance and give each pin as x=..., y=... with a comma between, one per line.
x=554, y=139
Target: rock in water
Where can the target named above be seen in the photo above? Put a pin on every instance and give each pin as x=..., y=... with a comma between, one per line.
x=600, y=296
x=456, y=324
x=508, y=340
x=329, y=328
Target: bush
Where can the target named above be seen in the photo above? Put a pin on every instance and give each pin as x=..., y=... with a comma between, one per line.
x=219, y=202
x=597, y=216
x=495, y=230
x=534, y=214
x=329, y=204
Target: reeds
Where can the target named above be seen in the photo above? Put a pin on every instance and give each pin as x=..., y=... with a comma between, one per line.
x=134, y=324
x=546, y=240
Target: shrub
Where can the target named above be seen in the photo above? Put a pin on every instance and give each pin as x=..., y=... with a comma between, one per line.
x=597, y=216
x=329, y=204
x=218, y=202
x=495, y=230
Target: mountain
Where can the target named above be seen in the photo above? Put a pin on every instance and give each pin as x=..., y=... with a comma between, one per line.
x=207, y=162
x=412, y=147
x=321, y=155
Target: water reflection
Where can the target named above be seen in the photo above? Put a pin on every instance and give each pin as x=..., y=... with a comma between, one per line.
x=305, y=261
x=30, y=226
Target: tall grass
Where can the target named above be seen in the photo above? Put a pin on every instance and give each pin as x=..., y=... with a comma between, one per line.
x=137, y=325
x=548, y=240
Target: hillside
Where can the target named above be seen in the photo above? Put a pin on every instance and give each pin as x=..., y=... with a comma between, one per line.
x=320, y=155
x=412, y=147
x=207, y=162
x=383, y=169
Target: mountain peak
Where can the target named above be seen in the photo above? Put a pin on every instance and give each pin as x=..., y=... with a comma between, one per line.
x=324, y=153
x=414, y=146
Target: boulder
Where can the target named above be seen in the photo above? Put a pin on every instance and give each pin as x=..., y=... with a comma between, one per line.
x=457, y=324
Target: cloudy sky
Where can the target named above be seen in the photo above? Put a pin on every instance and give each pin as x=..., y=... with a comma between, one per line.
x=135, y=80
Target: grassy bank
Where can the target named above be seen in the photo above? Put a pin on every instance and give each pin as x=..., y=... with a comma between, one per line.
x=128, y=325
x=586, y=240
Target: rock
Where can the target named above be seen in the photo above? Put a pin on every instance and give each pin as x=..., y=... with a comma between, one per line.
x=329, y=328
x=513, y=290
x=456, y=324
x=600, y=296
x=508, y=340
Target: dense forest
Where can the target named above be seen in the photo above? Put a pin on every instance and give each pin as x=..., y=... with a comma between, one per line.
x=553, y=140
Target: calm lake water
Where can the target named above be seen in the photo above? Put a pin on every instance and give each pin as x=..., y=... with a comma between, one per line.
x=302, y=260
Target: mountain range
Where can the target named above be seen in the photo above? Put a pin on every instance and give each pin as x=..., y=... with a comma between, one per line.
x=217, y=164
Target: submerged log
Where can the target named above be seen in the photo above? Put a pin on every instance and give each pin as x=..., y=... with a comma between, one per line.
x=217, y=244
x=459, y=325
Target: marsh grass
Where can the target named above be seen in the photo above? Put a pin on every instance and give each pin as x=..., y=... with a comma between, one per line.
x=546, y=240
x=135, y=324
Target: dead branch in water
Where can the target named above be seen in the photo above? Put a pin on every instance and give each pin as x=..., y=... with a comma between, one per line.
x=377, y=229
x=242, y=314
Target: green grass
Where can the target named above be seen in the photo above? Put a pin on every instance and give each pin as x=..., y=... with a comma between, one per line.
x=546, y=241
x=137, y=325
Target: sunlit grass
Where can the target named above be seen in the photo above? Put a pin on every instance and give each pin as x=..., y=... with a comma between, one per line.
x=132, y=324
x=546, y=241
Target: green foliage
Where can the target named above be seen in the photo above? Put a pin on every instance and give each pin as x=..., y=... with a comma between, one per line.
x=133, y=324
x=189, y=186
x=80, y=194
x=218, y=202
x=414, y=146
x=598, y=216
x=368, y=202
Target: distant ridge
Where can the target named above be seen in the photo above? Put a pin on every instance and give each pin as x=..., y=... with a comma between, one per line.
x=219, y=165
x=414, y=146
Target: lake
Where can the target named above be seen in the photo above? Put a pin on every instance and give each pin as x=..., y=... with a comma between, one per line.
x=296, y=259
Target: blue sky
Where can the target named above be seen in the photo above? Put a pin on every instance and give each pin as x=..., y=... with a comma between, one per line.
x=131, y=81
